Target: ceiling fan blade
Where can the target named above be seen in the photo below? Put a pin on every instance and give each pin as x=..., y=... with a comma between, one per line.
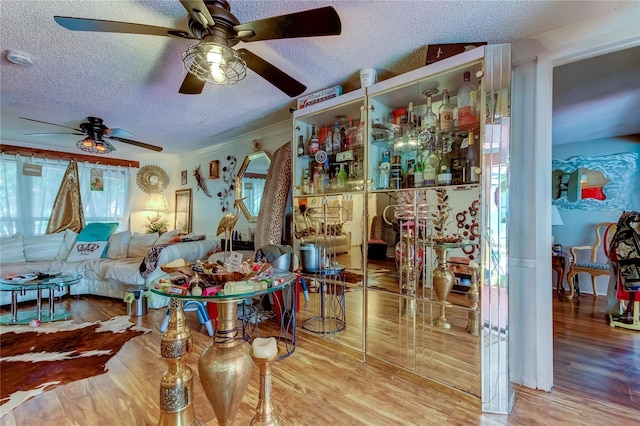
x=191, y=85
x=54, y=124
x=53, y=134
x=273, y=75
x=98, y=25
x=199, y=12
x=310, y=23
x=118, y=132
x=136, y=143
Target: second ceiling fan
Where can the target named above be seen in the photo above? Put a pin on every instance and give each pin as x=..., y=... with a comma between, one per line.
x=213, y=59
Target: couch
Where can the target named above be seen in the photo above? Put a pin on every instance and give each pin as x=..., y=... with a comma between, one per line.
x=110, y=275
x=308, y=229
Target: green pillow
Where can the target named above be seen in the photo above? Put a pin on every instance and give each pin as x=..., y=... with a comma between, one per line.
x=98, y=231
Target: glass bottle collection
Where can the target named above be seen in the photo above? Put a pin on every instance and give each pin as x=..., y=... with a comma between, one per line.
x=417, y=150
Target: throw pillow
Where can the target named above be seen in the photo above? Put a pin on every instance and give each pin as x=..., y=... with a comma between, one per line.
x=69, y=241
x=167, y=237
x=140, y=244
x=12, y=249
x=85, y=250
x=98, y=231
x=119, y=245
x=333, y=230
x=43, y=247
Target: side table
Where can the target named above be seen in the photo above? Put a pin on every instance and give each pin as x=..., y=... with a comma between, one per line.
x=40, y=283
x=332, y=315
x=558, y=264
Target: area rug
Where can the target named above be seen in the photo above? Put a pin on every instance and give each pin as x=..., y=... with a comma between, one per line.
x=33, y=361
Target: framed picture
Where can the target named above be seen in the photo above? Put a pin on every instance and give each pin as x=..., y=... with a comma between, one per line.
x=183, y=210
x=183, y=177
x=214, y=169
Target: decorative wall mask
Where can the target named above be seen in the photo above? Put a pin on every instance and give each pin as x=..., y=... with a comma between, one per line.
x=200, y=181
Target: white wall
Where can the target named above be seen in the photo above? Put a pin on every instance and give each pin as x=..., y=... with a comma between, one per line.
x=579, y=225
x=530, y=303
x=207, y=212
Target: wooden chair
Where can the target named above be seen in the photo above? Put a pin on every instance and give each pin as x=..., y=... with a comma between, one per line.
x=604, y=232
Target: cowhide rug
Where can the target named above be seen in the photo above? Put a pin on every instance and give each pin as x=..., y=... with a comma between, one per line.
x=33, y=361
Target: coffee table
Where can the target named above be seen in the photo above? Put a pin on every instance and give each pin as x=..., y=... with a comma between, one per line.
x=47, y=282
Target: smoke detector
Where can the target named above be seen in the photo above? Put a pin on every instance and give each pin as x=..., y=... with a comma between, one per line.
x=19, y=58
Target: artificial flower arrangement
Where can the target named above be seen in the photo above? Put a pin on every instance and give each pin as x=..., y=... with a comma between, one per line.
x=156, y=224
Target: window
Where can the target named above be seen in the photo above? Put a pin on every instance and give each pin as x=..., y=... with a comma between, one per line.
x=26, y=201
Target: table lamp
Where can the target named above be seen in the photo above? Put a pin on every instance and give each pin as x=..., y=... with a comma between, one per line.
x=556, y=220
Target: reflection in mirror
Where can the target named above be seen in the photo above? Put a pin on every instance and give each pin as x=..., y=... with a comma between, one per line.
x=408, y=325
x=594, y=183
x=250, y=183
x=326, y=231
x=579, y=185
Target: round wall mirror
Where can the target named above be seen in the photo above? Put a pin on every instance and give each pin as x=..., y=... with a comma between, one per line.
x=250, y=183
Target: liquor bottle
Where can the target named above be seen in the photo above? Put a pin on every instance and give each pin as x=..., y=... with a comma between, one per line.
x=467, y=101
x=429, y=119
x=352, y=135
x=446, y=112
x=300, y=146
x=335, y=148
x=305, y=182
x=444, y=168
x=314, y=143
x=410, y=174
x=430, y=165
x=472, y=166
x=383, y=171
x=343, y=139
x=328, y=142
x=342, y=177
x=418, y=178
x=407, y=127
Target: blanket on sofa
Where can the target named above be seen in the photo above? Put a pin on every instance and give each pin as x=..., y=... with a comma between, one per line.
x=150, y=261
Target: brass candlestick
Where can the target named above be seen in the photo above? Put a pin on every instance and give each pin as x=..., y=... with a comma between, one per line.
x=265, y=412
x=176, y=387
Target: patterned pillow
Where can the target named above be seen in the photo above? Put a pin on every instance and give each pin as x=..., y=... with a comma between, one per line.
x=333, y=230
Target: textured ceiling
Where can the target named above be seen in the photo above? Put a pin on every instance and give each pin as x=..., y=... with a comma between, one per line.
x=132, y=81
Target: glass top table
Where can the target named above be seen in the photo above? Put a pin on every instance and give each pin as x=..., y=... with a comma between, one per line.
x=20, y=284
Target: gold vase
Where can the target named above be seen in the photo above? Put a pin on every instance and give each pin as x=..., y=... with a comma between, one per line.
x=443, y=280
x=225, y=366
x=265, y=412
x=176, y=386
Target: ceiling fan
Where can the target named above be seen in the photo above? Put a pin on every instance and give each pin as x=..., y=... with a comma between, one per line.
x=96, y=136
x=212, y=59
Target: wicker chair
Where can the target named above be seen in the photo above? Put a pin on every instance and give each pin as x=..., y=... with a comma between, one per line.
x=604, y=232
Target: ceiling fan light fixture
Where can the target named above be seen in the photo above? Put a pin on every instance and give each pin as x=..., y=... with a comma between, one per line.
x=95, y=146
x=214, y=63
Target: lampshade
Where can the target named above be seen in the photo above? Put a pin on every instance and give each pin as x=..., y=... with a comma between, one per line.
x=214, y=62
x=95, y=145
x=157, y=203
x=556, y=219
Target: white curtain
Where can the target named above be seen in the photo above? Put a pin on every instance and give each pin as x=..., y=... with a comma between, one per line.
x=26, y=201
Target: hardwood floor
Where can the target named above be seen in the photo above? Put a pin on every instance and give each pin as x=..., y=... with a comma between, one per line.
x=592, y=359
x=321, y=386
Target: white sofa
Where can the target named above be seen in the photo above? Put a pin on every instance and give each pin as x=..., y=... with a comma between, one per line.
x=102, y=277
